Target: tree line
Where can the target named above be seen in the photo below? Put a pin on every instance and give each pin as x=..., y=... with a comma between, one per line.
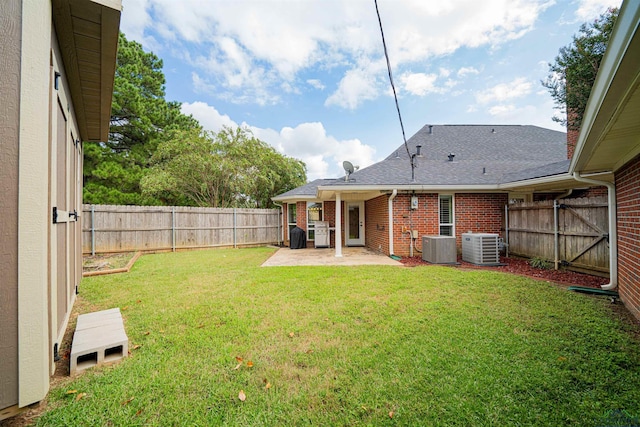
x=156, y=155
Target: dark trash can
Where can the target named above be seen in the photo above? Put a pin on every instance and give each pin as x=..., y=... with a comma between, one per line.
x=297, y=238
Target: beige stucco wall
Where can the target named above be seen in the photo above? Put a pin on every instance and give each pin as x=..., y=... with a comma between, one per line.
x=33, y=209
x=10, y=32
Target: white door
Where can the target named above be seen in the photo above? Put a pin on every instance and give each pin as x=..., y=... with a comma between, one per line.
x=354, y=220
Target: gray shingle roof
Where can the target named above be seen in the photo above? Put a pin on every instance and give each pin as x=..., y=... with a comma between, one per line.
x=538, y=172
x=307, y=190
x=484, y=154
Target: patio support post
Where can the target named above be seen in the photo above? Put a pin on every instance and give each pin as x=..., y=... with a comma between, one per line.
x=338, y=226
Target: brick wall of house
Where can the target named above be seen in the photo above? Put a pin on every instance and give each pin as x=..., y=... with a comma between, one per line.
x=479, y=213
x=329, y=214
x=376, y=222
x=628, y=205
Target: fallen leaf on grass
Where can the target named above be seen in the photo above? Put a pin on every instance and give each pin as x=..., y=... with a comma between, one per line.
x=237, y=366
x=126, y=402
x=242, y=396
x=137, y=346
x=249, y=364
x=147, y=333
x=200, y=326
x=124, y=308
x=391, y=414
x=267, y=386
x=139, y=301
x=72, y=391
x=239, y=359
x=139, y=412
x=309, y=351
x=562, y=358
x=80, y=396
x=291, y=334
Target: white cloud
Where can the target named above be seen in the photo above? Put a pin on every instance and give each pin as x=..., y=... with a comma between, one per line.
x=517, y=88
x=356, y=86
x=316, y=84
x=323, y=154
x=208, y=116
x=501, y=110
x=591, y=9
x=465, y=71
x=419, y=84
x=253, y=49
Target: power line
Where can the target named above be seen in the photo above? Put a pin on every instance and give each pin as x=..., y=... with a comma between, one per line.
x=395, y=96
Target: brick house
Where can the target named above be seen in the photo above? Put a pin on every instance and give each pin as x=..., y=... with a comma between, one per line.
x=466, y=174
x=459, y=184
x=58, y=62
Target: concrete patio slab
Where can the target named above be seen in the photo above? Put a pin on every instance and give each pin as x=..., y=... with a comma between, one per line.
x=326, y=256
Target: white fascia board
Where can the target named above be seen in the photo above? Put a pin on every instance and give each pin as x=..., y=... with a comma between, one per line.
x=564, y=178
x=411, y=187
x=625, y=28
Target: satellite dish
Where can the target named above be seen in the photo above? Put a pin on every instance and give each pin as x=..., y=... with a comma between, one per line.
x=348, y=167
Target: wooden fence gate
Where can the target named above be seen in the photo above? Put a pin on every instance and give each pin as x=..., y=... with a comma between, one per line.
x=572, y=232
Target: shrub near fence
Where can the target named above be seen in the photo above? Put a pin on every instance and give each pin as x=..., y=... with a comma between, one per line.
x=110, y=228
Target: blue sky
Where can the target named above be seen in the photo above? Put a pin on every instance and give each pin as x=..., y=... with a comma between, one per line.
x=309, y=76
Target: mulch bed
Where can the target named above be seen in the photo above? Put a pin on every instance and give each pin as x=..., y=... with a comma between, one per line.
x=522, y=267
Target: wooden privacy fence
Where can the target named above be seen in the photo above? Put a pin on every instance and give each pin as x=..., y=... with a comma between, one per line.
x=570, y=232
x=110, y=228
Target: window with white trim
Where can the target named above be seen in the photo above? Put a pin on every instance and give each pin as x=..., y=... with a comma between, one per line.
x=314, y=213
x=446, y=214
x=292, y=219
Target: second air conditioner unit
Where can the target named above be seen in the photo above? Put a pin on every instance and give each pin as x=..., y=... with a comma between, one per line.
x=480, y=248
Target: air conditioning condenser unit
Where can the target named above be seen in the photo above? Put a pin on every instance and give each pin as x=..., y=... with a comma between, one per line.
x=480, y=248
x=439, y=249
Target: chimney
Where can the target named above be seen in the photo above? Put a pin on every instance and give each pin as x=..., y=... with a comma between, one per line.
x=572, y=134
x=430, y=129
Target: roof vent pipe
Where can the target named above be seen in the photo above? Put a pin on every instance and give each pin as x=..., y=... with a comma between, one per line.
x=451, y=156
x=418, y=148
x=430, y=129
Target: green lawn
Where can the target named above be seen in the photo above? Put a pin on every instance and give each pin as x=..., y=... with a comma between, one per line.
x=369, y=345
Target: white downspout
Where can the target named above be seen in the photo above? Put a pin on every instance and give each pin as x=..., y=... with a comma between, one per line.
x=338, y=226
x=613, y=233
x=393, y=196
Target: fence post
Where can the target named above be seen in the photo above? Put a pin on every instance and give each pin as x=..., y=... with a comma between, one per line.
x=173, y=229
x=235, y=228
x=93, y=231
x=555, y=233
